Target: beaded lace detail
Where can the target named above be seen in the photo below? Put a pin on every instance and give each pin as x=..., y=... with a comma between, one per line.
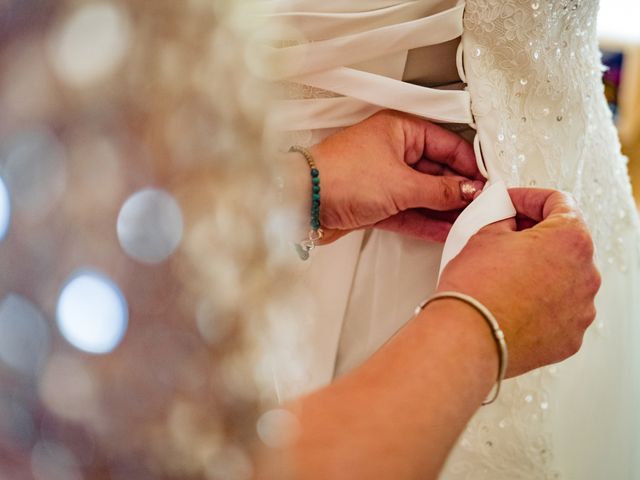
x=534, y=70
x=509, y=440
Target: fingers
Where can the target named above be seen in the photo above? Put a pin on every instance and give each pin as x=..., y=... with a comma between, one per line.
x=426, y=139
x=524, y=223
x=442, y=193
x=535, y=205
x=449, y=216
x=508, y=225
x=434, y=168
x=415, y=224
x=539, y=204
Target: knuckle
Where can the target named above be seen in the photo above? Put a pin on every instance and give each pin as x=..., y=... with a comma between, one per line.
x=579, y=239
x=585, y=318
x=447, y=191
x=584, y=247
x=590, y=316
x=584, y=238
x=574, y=345
x=458, y=150
x=596, y=281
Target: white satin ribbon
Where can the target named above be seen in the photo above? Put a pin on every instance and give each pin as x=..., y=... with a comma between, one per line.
x=324, y=25
x=452, y=106
x=491, y=206
x=324, y=55
x=329, y=6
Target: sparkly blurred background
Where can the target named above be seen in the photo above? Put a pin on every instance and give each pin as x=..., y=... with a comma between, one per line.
x=133, y=219
x=620, y=40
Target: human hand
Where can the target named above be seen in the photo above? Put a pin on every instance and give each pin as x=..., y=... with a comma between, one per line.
x=396, y=172
x=540, y=282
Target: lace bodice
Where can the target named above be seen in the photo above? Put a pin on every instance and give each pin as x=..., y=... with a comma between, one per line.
x=534, y=73
x=534, y=67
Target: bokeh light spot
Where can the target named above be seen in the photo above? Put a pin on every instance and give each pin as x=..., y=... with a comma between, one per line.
x=150, y=226
x=92, y=313
x=35, y=171
x=24, y=335
x=230, y=463
x=5, y=209
x=91, y=43
x=69, y=389
x=52, y=461
x=16, y=423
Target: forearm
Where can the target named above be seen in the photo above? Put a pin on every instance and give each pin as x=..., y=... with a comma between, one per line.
x=398, y=416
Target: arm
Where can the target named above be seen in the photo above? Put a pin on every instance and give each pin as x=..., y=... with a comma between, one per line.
x=398, y=415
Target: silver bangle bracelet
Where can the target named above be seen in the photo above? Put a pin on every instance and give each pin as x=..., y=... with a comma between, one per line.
x=498, y=334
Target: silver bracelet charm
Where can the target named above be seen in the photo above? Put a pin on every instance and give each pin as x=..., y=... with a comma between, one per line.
x=306, y=246
x=498, y=334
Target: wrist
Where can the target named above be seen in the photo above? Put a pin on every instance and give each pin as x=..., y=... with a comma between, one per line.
x=469, y=335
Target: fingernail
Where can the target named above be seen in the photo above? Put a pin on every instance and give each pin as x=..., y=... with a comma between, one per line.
x=469, y=189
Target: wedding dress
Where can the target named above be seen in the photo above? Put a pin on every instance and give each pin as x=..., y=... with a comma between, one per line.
x=522, y=80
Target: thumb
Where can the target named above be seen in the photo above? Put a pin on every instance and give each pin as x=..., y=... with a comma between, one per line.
x=535, y=206
x=440, y=193
x=539, y=204
x=507, y=225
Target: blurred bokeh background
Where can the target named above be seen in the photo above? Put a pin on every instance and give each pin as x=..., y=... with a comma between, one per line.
x=133, y=218
x=619, y=32
x=118, y=122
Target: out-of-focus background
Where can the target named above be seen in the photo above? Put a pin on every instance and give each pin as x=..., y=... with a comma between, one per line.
x=619, y=27
x=133, y=200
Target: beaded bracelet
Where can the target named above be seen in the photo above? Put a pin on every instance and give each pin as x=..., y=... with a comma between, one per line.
x=305, y=247
x=498, y=334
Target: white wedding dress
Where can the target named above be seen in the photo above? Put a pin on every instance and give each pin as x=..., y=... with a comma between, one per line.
x=534, y=95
